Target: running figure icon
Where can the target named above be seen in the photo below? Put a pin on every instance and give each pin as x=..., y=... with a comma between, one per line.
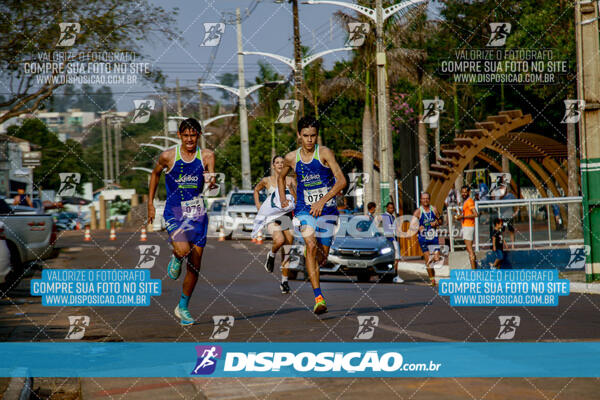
x=207, y=357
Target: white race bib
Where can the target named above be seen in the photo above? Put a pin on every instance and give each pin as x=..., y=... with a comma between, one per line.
x=192, y=209
x=430, y=234
x=313, y=195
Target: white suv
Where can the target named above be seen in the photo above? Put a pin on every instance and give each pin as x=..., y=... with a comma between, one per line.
x=240, y=212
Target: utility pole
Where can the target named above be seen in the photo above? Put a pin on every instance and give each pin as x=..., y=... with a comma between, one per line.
x=104, y=150
x=178, y=90
x=437, y=136
x=423, y=150
x=109, y=156
x=382, y=111
x=379, y=15
x=165, y=120
x=117, y=148
x=588, y=89
x=202, y=138
x=246, y=175
x=298, y=78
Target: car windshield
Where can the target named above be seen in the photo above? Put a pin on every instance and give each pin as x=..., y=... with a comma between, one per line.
x=245, y=199
x=217, y=206
x=360, y=227
x=67, y=215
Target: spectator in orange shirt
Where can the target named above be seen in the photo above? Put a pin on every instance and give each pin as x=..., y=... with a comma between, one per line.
x=467, y=218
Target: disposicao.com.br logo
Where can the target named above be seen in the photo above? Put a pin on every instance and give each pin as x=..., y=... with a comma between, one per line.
x=351, y=362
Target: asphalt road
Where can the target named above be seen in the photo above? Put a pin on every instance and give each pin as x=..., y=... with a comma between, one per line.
x=233, y=282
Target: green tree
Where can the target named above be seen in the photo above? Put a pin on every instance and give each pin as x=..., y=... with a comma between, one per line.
x=32, y=28
x=57, y=157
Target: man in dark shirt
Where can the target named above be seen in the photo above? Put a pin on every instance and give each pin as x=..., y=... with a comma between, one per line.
x=498, y=243
x=21, y=199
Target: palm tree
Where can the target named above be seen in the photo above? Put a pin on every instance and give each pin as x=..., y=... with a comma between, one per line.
x=268, y=96
x=404, y=62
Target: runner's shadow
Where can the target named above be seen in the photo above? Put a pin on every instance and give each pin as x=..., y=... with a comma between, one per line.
x=363, y=310
x=282, y=311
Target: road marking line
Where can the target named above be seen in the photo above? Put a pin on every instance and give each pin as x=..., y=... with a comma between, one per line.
x=416, y=334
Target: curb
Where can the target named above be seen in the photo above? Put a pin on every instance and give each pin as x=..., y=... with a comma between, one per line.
x=574, y=287
x=417, y=268
x=582, y=287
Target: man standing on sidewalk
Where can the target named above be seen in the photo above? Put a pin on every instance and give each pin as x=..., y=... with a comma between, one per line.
x=467, y=218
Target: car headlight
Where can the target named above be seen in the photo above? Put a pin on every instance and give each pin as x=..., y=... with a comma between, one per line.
x=232, y=215
x=386, y=250
x=332, y=251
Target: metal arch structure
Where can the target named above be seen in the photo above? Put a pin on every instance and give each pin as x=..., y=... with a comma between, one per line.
x=523, y=167
x=494, y=164
x=466, y=147
x=535, y=147
x=534, y=154
x=359, y=156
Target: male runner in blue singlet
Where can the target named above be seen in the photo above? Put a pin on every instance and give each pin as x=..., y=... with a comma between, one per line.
x=185, y=213
x=428, y=220
x=319, y=178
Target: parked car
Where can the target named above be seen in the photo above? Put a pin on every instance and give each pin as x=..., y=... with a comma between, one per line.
x=66, y=220
x=39, y=207
x=240, y=211
x=5, y=265
x=358, y=248
x=216, y=211
x=28, y=237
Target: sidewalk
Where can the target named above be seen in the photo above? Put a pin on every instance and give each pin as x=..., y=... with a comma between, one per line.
x=576, y=278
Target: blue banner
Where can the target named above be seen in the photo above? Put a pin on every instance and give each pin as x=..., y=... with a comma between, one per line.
x=517, y=287
x=95, y=287
x=306, y=359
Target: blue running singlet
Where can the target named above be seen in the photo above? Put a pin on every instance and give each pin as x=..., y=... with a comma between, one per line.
x=314, y=181
x=185, y=211
x=429, y=235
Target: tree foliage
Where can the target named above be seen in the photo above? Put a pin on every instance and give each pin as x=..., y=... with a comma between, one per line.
x=31, y=30
x=57, y=156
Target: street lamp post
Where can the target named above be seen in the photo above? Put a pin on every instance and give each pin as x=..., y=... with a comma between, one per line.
x=104, y=150
x=176, y=141
x=117, y=121
x=289, y=61
x=378, y=16
x=242, y=93
x=297, y=67
x=172, y=122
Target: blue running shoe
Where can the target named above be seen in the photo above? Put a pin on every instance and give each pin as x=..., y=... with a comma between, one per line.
x=174, y=268
x=184, y=315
